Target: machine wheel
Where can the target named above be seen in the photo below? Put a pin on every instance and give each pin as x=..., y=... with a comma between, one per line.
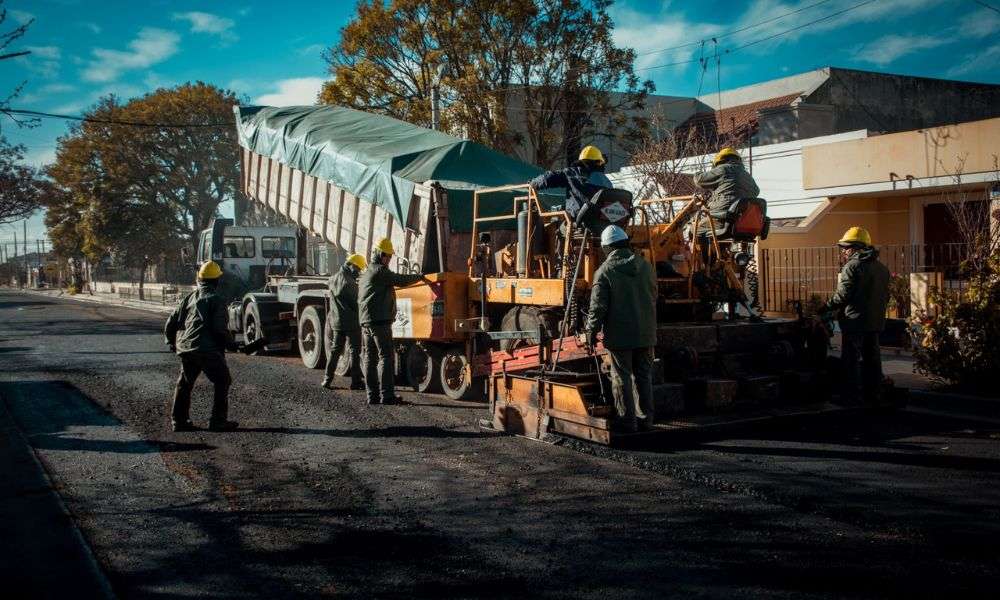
x=311, y=337
x=527, y=318
x=251, y=323
x=423, y=362
x=454, y=374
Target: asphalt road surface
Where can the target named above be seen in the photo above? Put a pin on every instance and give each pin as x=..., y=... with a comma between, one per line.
x=318, y=494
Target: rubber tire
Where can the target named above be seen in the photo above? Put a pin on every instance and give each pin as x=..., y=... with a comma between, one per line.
x=422, y=366
x=466, y=389
x=251, y=319
x=527, y=318
x=311, y=323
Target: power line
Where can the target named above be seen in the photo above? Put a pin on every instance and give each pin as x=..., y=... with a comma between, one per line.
x=983, y=4
x=38, y=114
x=735, y=31
x=765, y=39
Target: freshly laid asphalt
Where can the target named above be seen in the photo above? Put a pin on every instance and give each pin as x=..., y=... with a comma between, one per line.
x=320, y=495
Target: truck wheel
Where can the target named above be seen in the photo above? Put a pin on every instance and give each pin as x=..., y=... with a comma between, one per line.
x=422, y=366
x=251, y=324
x=455, y=379
x=311, y=337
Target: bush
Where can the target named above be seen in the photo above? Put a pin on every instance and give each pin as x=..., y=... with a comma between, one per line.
x=961, y=344
x=899, y=295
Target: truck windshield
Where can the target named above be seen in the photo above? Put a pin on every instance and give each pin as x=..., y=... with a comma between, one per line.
x=237, y=247
x=277, y=247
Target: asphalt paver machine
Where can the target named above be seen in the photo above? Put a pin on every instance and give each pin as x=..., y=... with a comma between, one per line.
x=717, y=363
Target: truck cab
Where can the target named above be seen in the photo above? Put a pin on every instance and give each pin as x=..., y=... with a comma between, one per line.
x=249, y=254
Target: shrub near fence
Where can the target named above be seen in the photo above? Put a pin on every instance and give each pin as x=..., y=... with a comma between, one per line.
x=790, y=274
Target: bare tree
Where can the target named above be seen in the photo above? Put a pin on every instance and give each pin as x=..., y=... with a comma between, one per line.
x=976, y=219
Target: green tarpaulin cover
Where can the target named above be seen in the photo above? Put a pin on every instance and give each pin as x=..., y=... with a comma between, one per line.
x=379, y=159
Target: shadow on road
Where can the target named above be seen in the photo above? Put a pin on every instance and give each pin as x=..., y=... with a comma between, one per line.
x=55, y=415
x=402, y=431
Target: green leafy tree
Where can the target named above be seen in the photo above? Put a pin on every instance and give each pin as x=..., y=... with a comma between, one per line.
x=535, y=74
x=138, y=181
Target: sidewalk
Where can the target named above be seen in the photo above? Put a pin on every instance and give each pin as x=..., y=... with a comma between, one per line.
x=104, y=298
x=43, y=554
x=924, y=396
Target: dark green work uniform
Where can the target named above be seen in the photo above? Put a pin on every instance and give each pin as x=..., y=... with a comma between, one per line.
x=729, y=183
x=345, y=327
x=623, y=305
x=197, y=332
x=860, y=302
x=377, y=304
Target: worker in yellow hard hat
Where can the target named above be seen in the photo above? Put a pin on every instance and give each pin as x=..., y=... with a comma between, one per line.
x=377, y=308
x=196, y=331
x=729, y=182
x=581, y=180
x=344, y=326
x=859, y=303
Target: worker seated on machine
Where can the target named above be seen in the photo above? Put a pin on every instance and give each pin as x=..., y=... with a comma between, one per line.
x=729, y=183
x=582, y=180
x=737, y=213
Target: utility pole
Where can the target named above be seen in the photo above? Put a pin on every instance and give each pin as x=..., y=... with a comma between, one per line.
x=435, y=108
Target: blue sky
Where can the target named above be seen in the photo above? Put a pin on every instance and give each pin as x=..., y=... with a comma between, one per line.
x=271, y=51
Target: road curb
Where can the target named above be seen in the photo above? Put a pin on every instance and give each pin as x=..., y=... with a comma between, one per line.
x=91, y=564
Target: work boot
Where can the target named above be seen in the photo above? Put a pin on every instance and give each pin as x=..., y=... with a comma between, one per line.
x=223, y=426
x=327, y=383
x=183, y=425
x=393, y=400
x=357, y=386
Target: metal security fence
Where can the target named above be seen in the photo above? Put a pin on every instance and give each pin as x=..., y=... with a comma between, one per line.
x=798, y=274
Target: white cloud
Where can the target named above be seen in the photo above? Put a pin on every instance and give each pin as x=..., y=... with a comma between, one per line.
x=293, y=92
x=203, y=22
x=150, y=47
x=92, y=27
x=883, y=11
x=43, y=60
x=314, y=50
x=123, y=91
x=40, y=157
x=979, y=24
x=44, y=92
x=649, y=34
x=21, y=16
x=47, y=52
x=977, y=61
x=887, y=49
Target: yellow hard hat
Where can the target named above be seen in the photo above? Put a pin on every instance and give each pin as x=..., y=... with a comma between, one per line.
x=725, y=152
x=384, y=246
x=358, y=261
x=592, y=153
x=209, y=270
x=856, y=236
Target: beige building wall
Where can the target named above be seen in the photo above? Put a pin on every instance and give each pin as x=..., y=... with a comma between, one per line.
x=936, y=152
x=886, y=219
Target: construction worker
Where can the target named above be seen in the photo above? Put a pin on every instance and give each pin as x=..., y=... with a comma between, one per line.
x=345, y=327
x=859, y=304
x=729, y=183
x=623, y=306
x=196, y=331
x=377, y=308
x=581, y=180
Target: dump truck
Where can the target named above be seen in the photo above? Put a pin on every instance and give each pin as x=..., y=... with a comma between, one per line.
x=348, y=179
